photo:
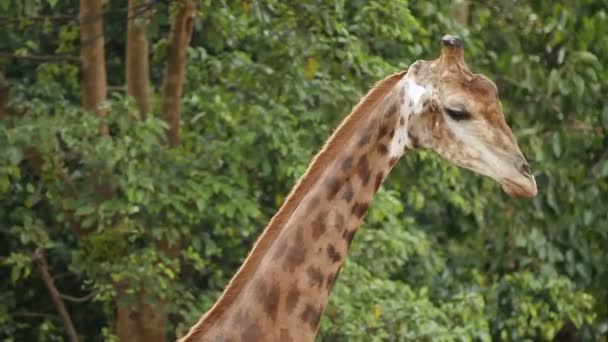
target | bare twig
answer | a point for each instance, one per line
(7, 20)
(36, 315)
(146, 6)
(80, 299)
(120, 88)
(43, 267)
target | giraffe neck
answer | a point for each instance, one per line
(281, 291)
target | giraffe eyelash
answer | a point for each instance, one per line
(457, 114)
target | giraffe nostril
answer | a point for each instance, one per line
(524, 168)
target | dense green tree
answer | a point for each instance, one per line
(443, 254)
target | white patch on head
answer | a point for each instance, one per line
(416, 93)
(413, 103)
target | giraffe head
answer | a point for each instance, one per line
(458, 114)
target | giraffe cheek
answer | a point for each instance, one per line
(437, 127)
(443, 137)
(432, 106)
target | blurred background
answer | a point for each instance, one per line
(144, 146)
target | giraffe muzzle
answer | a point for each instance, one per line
(523, 167)
(522, 183)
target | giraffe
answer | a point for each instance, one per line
(281, 290)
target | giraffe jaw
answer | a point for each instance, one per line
(526, 189)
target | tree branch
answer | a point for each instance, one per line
(80, 299)
(145, 6)
(36, 315)
(43, 267)
(41, 58)
(7, 20)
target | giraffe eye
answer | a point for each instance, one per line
(458, 114)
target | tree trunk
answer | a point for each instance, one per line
(147, 321)
(181, 32)
(94, 81)
(143, 321)
(137, 70)
(568, 333)
(92, 57)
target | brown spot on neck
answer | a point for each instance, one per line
(347, 164)
(363, 169)
(285, 336)
(392, 161)
(348, 192)
(296, 253)
(339, 222)
(349, 235)
(331, 279)
(364, 139)
(382, 149)
(392, 110)
(382, 131)
(269, 296)
(239, 318)
(333, 186)
(315, 276)
(319, 225)
(413, 138)
(313, 203)
(359, 209)
(333, 254)
(378, 182)
(311, 315)
(329, 282)
(293, 295)
(252, 332)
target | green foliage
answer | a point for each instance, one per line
(443, 255)
(518, 300)
(380, 309)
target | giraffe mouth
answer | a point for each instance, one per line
(516, 189)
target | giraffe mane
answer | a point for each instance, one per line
(324, 157)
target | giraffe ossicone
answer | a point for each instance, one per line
(281, 289)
